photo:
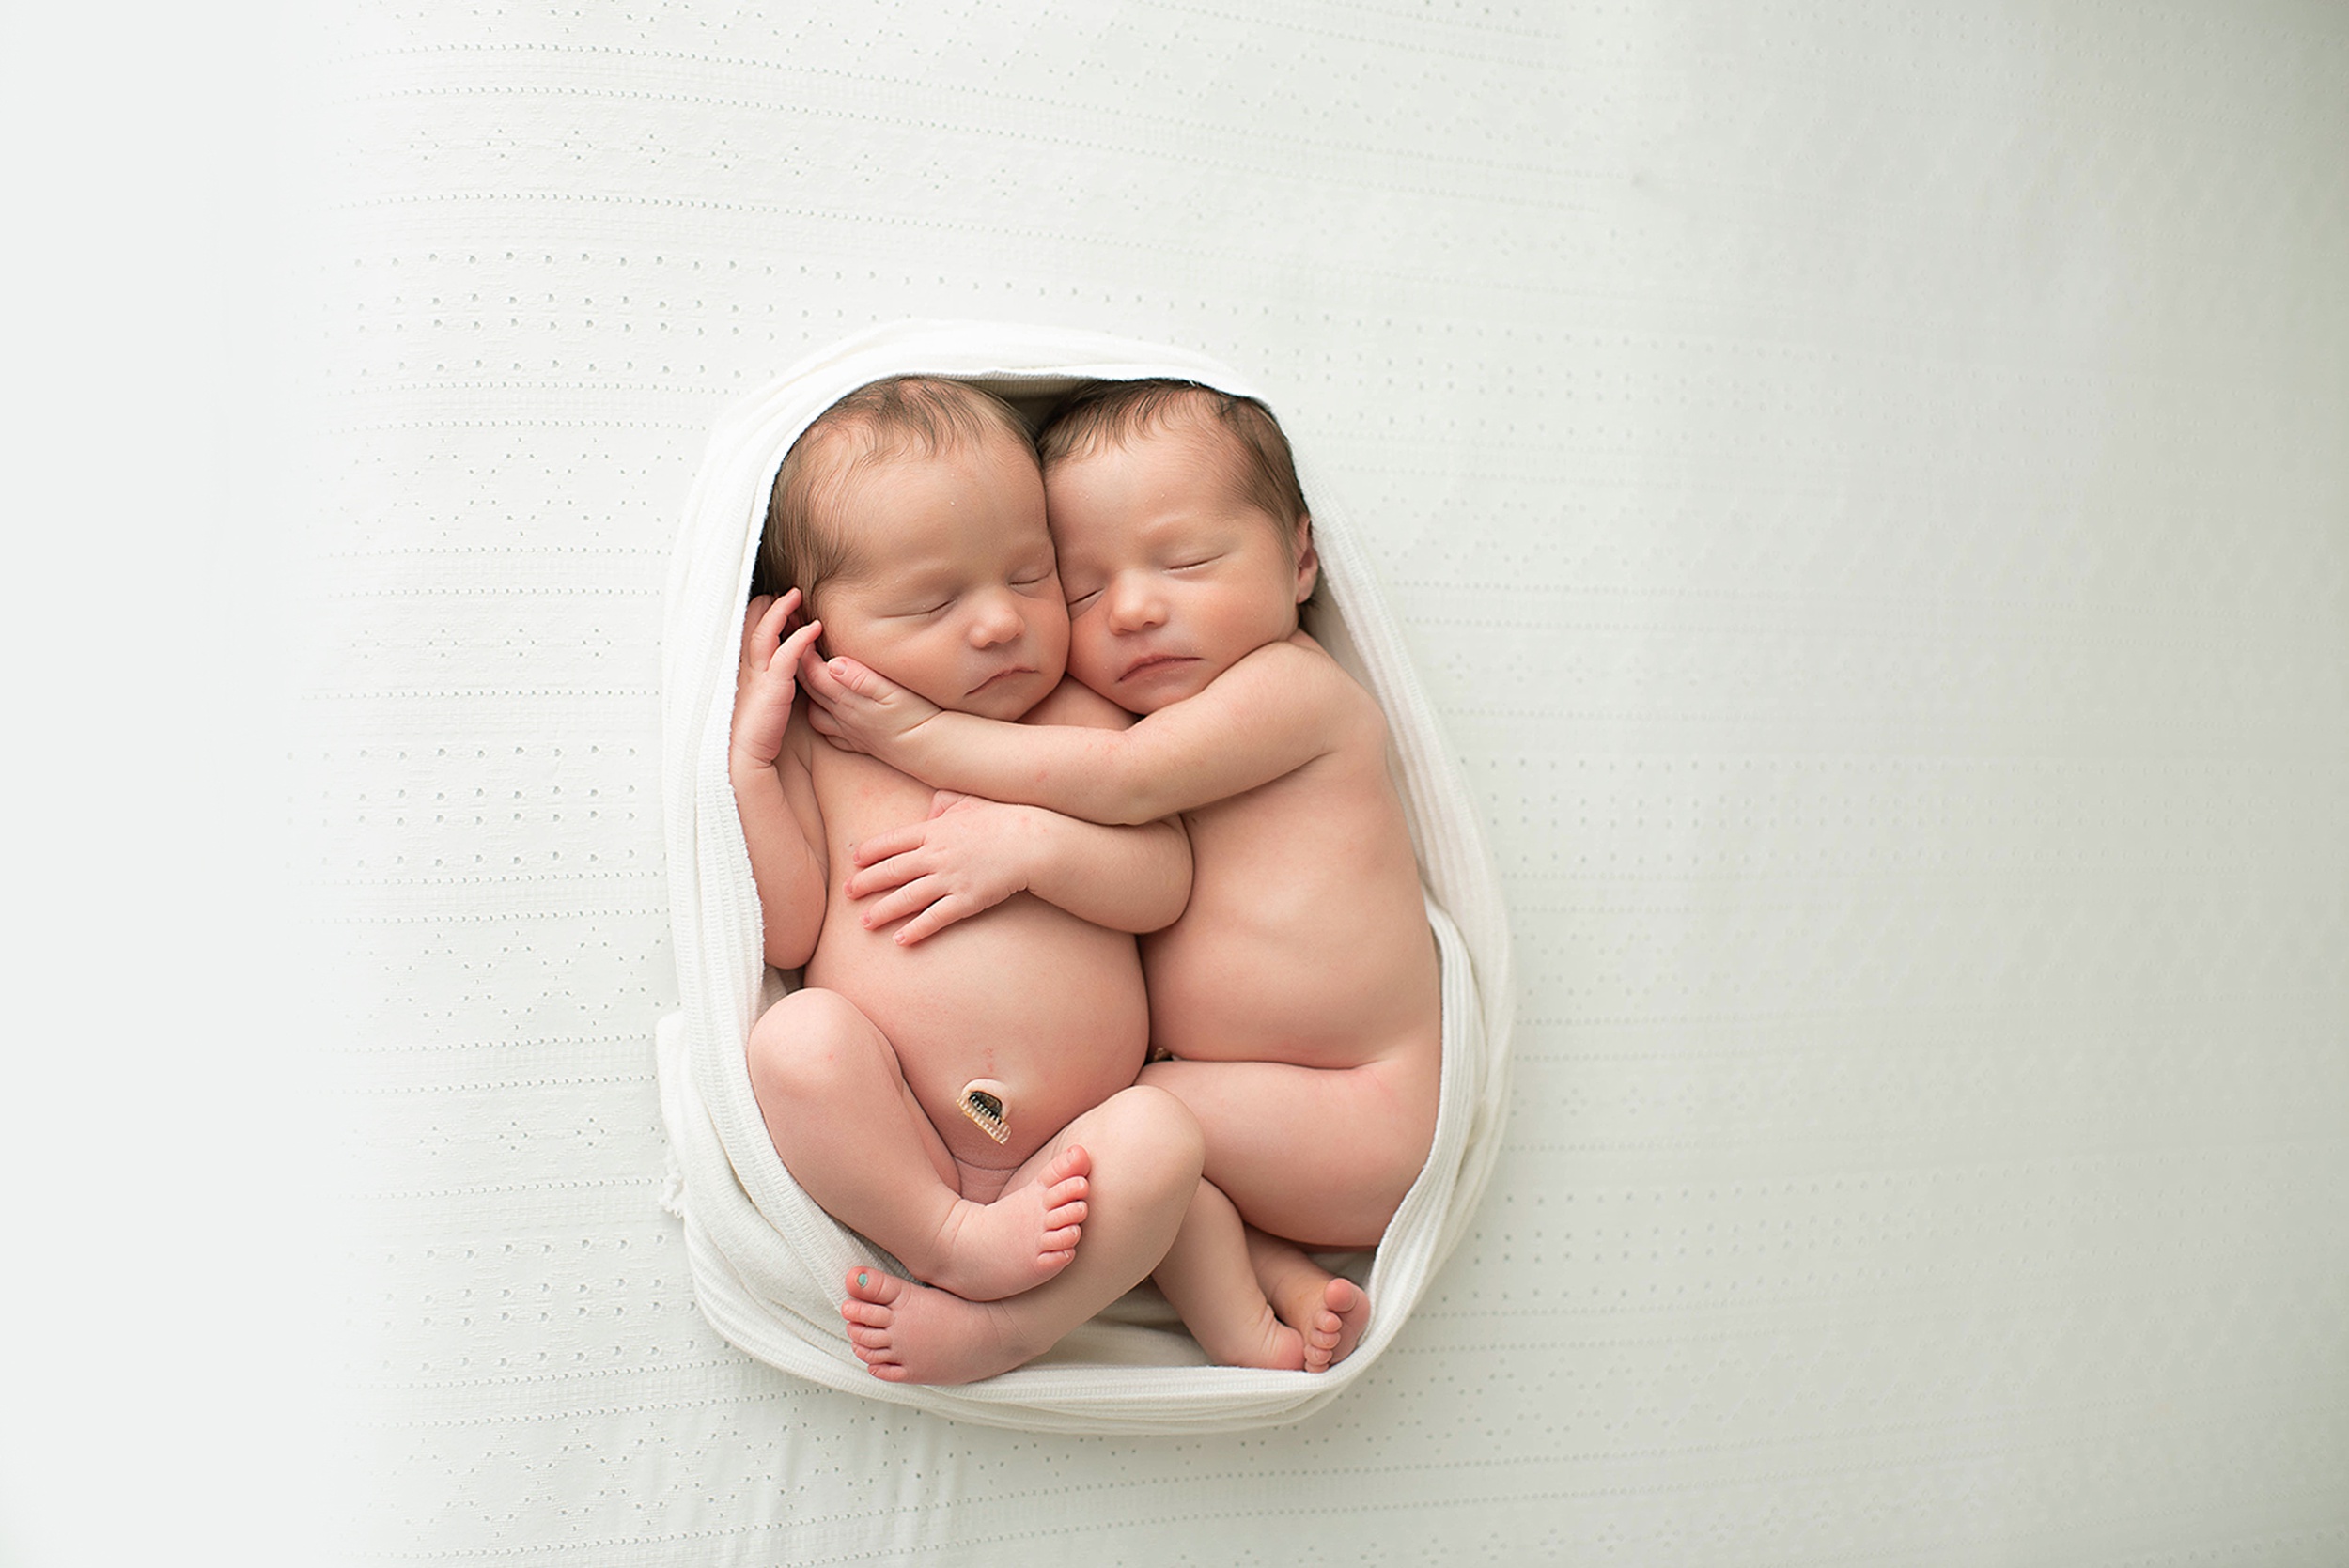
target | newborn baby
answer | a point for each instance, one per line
(1295, 1002)
(969, 1101)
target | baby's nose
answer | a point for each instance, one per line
(998, 620)
(1134, 605)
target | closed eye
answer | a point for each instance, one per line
(1080, 601)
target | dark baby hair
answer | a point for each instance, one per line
(1108, 413)
(804, 543)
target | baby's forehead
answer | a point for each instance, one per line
(1217, 458)
(1187, 419)
(850, 456)
(868, 444)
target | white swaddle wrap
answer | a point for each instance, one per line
(768, 1263)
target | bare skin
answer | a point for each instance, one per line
(1254, 1300)
(909, 1333)
(1035, 991)
(1297, 992)
(856, 1138)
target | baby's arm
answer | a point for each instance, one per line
(1266, 716)
(781, 825)
(974, 853)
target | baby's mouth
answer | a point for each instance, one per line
(999, 677)
(1149, 663)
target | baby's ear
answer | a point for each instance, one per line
(1307, 564)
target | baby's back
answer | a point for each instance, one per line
(1046, 1004)
(1306, 937)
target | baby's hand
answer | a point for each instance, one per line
(856, 709)
(765, 679)
(969, 856)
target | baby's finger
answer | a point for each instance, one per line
(853, 678)
(945, 800)
(895, 872)
(817, 678)
(897, 841)
(936, 919)
(753, 617)
(768, 630)
(913, 898)
(788, 657)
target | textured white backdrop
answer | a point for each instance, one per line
(1868, 496)
(164, 1319)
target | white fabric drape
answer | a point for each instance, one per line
(768, 1265)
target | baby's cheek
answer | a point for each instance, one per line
(1089, 661)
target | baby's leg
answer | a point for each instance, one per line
(854, 1136)
(1321, 1156)
(1254, 1300)
(1144, 1173)
(1211, 1280)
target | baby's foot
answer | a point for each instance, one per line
(1262, 1341)
(909, 1333)
(1333, 1327)
(990, 1250)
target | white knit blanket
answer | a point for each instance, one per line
(768, 1265)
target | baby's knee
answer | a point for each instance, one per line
(1155, 1132)
(799, 1047)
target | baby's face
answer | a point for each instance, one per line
(1172, 576)
(951, 592)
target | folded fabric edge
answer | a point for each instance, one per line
(978, 352)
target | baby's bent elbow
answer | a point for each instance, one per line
(1128, 797)
(789, 945)
(1177, 897)
(1163, 914)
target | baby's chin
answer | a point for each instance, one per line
(1008, 698)
(1151, 694)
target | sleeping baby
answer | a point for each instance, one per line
(967, 1101)
(1294, 1006)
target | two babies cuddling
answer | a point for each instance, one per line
(1064, 700)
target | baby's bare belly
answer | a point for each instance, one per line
(1243, 978)
(1306, 937)
(1024, 994)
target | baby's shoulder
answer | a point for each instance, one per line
(1306, 668)
(1294, 688)
(1295, 665)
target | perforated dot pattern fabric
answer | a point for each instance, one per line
(1864, 491)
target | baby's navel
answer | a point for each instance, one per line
(983, 1103)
